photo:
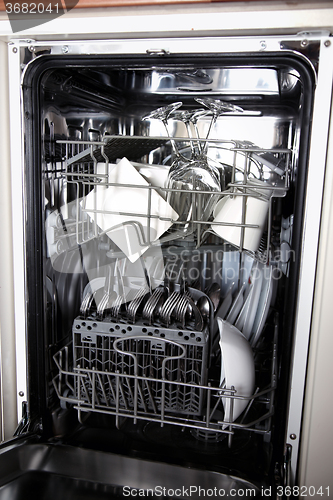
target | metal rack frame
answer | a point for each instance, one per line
(70, 380)
(123, 389)
(79, 167)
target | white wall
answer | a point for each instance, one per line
(215, 18)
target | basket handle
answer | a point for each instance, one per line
(144, 337)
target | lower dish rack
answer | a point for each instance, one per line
(156, 375)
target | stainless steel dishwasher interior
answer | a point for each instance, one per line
(127, 368)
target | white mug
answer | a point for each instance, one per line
(229, 210)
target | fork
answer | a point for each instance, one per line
(135, 303)
(168, 307)
(108, 293)
(86, 303)
(148, 310)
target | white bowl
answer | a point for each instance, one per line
(237, 369)
(156, 175)
(121, 212)
(228, 212)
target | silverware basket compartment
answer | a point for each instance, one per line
(145, 357)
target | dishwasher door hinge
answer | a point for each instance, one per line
(283, 476)
(287, 466)
(26, 424)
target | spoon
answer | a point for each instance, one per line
(204, 307)
(214, 293)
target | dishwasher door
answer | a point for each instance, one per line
(57, 471)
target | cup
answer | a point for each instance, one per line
(229, 211)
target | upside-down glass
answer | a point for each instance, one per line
(197, 175)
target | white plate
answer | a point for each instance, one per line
(121, 212)
(235, 267)
(236, 306)
(226, 303)
(256, 279)
(222, 312)
(237, 369)
(243, 313)
(94, 285)
(263, 306)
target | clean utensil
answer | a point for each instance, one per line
(168, 306)
(134, 304)
(217, 109)
(196, 315)
(120, 297)
(108, 293)
(180, 309)
(163, 115)
(204, 307)
(87, 303)
(214, 293)
(150, 305)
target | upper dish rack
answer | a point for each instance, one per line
(85, 166)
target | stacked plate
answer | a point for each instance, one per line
(247, 309)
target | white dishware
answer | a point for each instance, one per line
(264, 304)
(244, 310)
(256, 279)
(237, 370)
(122, 211)
(226, 304)
(261, 188)
(156, 175)
(94, 285)
(236, 269)
(222, 312)
(236, 306)
(229, 210)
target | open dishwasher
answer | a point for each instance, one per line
(165, 196)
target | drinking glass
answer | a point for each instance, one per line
(163, 114)
(217, 109)
(192, 182)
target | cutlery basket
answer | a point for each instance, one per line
(139, 368)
